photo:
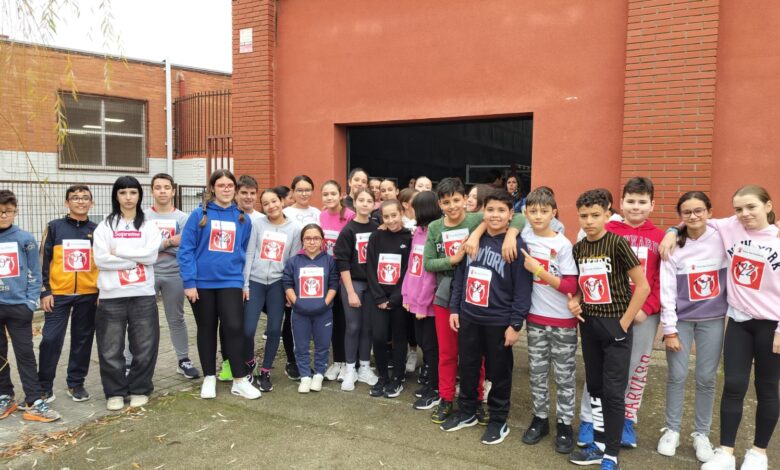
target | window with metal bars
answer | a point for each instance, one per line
(103, 133)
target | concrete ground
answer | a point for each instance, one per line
(285, 429)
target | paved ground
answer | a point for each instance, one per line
(320, 430)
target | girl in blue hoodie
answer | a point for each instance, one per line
(310, 283)
(211, 259)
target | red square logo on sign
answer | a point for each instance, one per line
(311, 281)
(416, 261)
(134, 275)
(703, 285)
(361, 245)
(747, 272)
(222, 236)
(595, 289)
(9, 260)
(546, 265)
(478, 286)
(272, 246)
(388, 269)
(76, 256)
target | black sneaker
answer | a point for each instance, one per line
(442, 412)
(291, 371)
(589, 455)
(458, 420)
(564, 440)
(537, 430)
(393, 388)
(424, 375)
(483, 416)
(495, 433)
(378, 390)
(427, 401)
(78, 393)
(422, 391)
(264, 381)
(187, 369)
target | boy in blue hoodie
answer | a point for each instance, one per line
(20, 288)
(490, 301)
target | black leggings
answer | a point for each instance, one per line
(225, 306)
(287, 337)
(425, 331)
(383, 323)
(748, 343)
(339, 325)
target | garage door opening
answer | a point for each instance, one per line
(477, 151)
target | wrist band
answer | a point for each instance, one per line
(539, 270)
(670, 336)
(673, 229)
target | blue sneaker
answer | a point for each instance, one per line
(585, 436)
(609, 464)
(629, 437)
(590, 455)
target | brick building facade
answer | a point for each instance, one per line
(679, 90)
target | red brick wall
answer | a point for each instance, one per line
(30, 83)
(254, 147)
(668, 114)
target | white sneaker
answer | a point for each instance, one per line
(305, 385)
(702, 446)
(411, 361)
(721, 460)
(367, 376)
(243, 388)
(754, 460)
(115, 403)
(316, 383)
(209, 388)
(350, 377)
(333, 371)
(343, 372)
(486, 386)
(137, 401)
(669, 442)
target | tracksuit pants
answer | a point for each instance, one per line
(305, 328)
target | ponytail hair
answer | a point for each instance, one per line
(762, 195)
(342, 208)
(682, 235)
(208, 194)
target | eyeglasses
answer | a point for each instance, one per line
(698, 212)
(303, 191)
(225, 186)
(8, 213)
(312, 239)
(80, 199)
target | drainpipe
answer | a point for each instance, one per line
(168, 118)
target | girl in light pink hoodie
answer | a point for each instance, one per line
(418, 290)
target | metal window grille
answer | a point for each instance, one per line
(103, 133)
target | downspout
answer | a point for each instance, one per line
(168, 118)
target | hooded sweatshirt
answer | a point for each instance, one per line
(489, 291)
(350, 250)
(68, 266)
(332, 224)
(753, 282)
(129, 271)
(170, 225)
(212, 257)
(311, 279)
(693, 282)
(270, 246)
(644, 240)
(20, 268)
(386, 259)
(419, 286)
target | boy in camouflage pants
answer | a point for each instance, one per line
(552, 329)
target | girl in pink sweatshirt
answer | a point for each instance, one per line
(418, 290)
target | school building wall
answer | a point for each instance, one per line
(679, 90)
(34, 75)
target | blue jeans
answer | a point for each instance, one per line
(272, 296)
(80, 309)
(304, 328)
(136, 317)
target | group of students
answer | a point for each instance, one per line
(456, 274)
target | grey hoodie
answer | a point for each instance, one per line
(270, 246)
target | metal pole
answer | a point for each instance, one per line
(168, 118)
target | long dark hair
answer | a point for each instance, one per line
(126, 182)
(208, 194)
(426, 208)
(682, 235)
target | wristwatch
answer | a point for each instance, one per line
(517, 326)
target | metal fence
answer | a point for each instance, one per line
(40, 202)
(199, 118)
